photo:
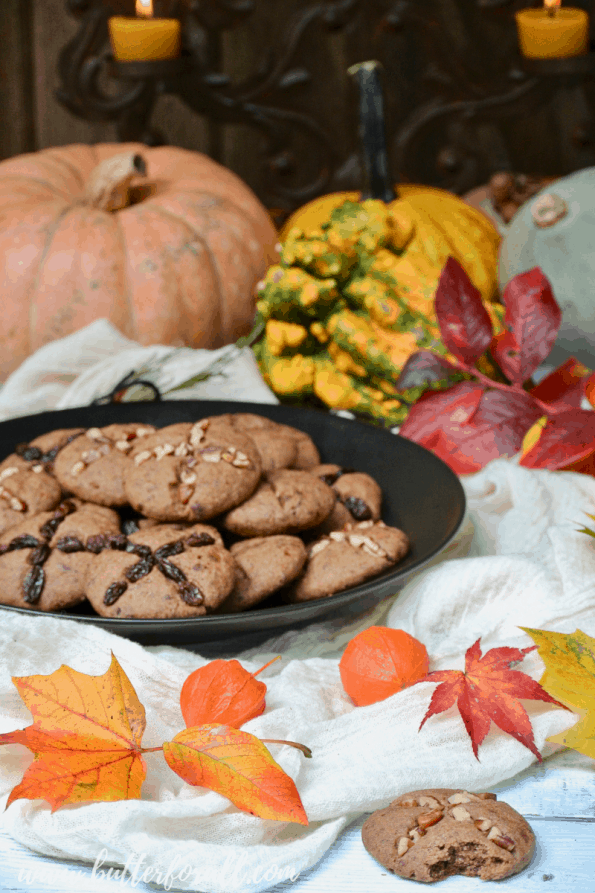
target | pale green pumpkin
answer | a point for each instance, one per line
(565, 251)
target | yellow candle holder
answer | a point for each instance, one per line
(144, 39)
(561, 35)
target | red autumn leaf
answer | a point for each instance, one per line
(468, 426)
(565, 387)
(424, 368)
(590, 389)
(237, 765)
(532, 318)
(222, 691)
(379, 662)
(488, 692)
(566, 438)
(464, 322)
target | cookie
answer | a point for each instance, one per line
(286, 501)
(44, 559)
(359, 493)
(191, 472)
(431, 835)
(347, 557)
(337, 520)
(307, 451)
(24, 493)
(276, 444)
(160, 572)
(264, 565)
(40, 453)
(94, 466)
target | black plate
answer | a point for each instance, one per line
(422, 496)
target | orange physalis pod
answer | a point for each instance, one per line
(379, 662)
(223, 691)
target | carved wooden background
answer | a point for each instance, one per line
(274, 103)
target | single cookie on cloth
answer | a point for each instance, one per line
(44, 559)
(189, 472)
(24, 493)
(160, 572)
(347, 557)
(265, 564)
(286, 501)
(433, 834)
(94, 466)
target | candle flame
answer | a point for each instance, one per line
(552, 5)
(144, 8)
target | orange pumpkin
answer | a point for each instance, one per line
(170, 258)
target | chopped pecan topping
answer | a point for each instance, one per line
(403, 845)
(187, 476)
(427, 819)
(504, 842)
(460, 814)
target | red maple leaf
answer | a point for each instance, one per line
(487, 692)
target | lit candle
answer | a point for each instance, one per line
(144, 38)
(553, 32)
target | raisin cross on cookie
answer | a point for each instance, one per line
(189, 593)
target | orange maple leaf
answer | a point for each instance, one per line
(86, 737)
(237, 765)
(487, 692)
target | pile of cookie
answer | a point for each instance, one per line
(116, 515)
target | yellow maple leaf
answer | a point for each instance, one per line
(569, 676)
(86, 737)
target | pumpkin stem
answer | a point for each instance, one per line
(371, 131)
(108, 187)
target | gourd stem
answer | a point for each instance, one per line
(378, 183)
(108, 186)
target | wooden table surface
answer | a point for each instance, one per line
(557, 798)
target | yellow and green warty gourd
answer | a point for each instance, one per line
(353, 295)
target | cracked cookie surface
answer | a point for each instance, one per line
(436, 833)
(286, 501)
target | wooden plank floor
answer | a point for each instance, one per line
(557, 798)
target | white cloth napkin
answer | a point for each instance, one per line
(77, 369)
(526, 564)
